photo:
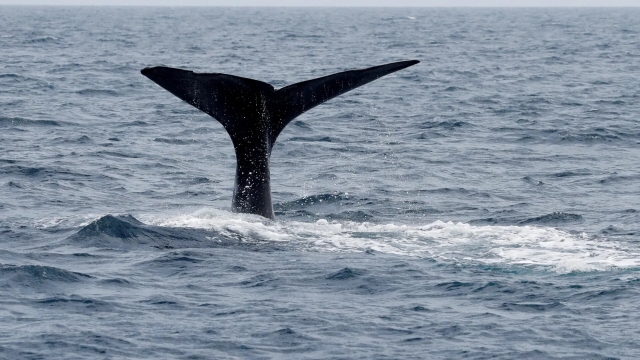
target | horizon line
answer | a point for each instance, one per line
(339, 6)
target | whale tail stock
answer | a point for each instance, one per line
(254, 114)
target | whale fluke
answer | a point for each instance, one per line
(254, 114)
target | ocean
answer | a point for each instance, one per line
(484, 203)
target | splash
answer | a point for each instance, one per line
(456, 243)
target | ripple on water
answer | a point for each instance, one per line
(524, 120)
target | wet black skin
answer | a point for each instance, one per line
(254, 114)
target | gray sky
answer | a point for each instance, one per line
(515, 3)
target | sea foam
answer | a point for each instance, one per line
(447, 241)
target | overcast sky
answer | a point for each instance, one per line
(545, 3)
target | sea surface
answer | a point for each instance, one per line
(484, 203)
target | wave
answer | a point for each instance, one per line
(532, 307)
(456, 243)
(329, 205)
(301, 124)
(46, 172)
(447, 125)
(119, 231)
(116, 154)
(14, 185)
(127, 232)
(462, 191)
(35, 275)
(311, 200)
(571, 173)
(358, 215)
(10, 76)
(84, 139)
(122, 227)
(76, 303)
(96, 92)
(22, 170)
(346, 274)
(590, 137)
(553, 219)
(315, 139)
(43, 39)
(614, 179)
(455, 88)
(556, 136)
(175, 141)
(18, 121)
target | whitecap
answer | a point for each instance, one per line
(446, 241)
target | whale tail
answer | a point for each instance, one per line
(254, 114)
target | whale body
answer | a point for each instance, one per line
(254, 114)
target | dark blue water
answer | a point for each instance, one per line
(482, 204)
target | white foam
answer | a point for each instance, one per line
(458, 243)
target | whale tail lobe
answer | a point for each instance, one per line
(242, 105)
(254, 114)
